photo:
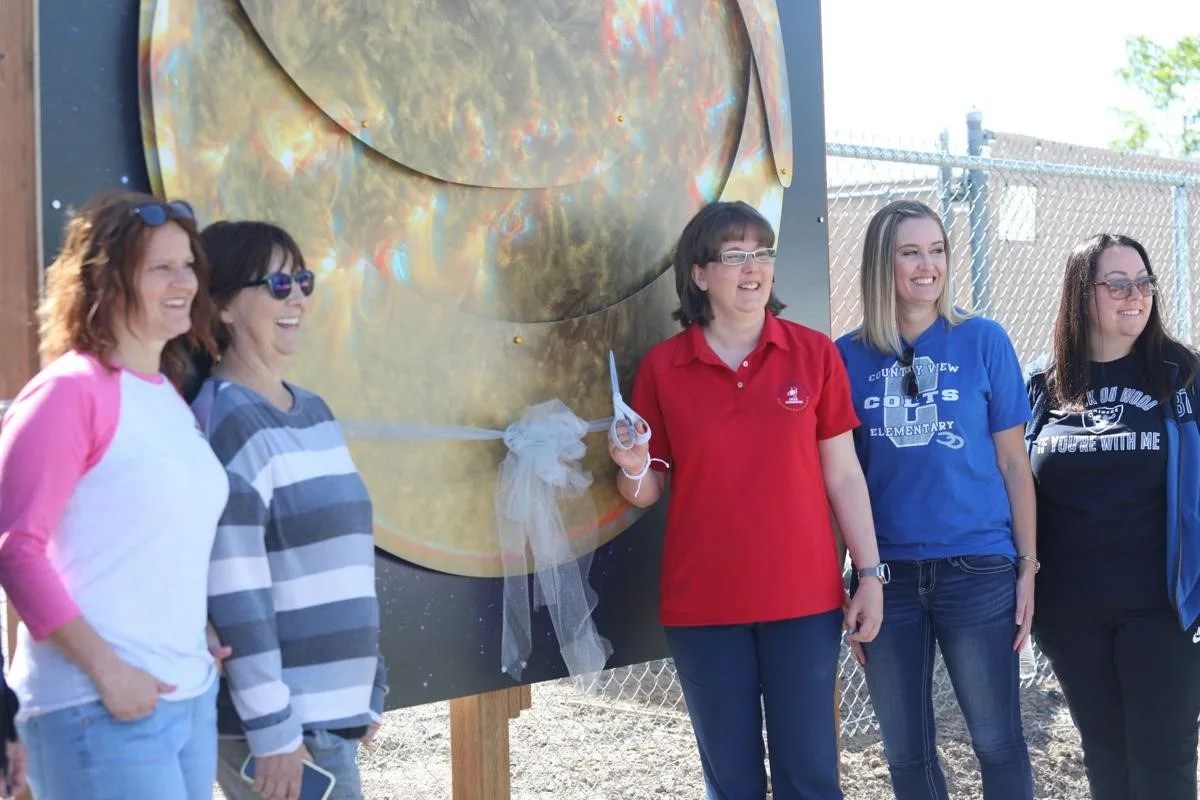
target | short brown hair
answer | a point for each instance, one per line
(240, 253)
(95, 275)
(700, 243)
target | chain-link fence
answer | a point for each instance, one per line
(1013, 220)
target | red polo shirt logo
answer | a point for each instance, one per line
(794, 396)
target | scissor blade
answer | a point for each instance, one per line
(612, 374)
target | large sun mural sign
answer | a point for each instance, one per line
(489, 191)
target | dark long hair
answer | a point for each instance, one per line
(1067, 379)
(700, 243)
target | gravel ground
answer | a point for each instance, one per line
(592, 745)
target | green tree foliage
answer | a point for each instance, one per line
(1169, 78)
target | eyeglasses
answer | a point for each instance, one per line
(1122, 288)
(155, 214)
(279, 284)
(735, 258)
(910, 380)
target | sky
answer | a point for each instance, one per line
(898, 73)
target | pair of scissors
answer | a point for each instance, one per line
(623, 413)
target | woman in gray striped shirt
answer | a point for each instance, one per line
(292, 580)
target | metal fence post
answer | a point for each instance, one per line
(1181, 284)
(945, 183)
(977, 196)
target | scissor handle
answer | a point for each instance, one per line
(623, 413)
(631, 421)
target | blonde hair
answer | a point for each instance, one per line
(880, 328)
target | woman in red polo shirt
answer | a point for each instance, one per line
(751, 416)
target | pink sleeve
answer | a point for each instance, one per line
(54, 432)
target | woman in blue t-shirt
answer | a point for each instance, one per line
(942, 402)
(1115, 449)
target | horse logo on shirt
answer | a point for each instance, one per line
(793, 397)
(1102, 418)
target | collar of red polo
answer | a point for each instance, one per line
(694, 347)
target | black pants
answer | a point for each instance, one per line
(1131, 677)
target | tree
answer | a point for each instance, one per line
(1169, 78)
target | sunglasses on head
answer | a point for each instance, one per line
(911, 390)
(155, 214)
(279, 284)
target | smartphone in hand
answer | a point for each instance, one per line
(316, 784)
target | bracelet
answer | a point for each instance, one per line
(1037, 565)
(641, 473)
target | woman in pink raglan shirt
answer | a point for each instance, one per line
(109, 499)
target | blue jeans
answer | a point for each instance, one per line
(732, 673)
(328, 750)
(83, 753)
(966, 604)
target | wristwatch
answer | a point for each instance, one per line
(880, 571)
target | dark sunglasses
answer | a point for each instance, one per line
(155, 214)
(279, 284)
(910, 379)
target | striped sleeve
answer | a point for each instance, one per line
(241, 603)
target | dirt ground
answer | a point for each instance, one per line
(590, 745)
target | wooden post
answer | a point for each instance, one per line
(19, 265)
(19, 232)
(479, 758)
(18, 212)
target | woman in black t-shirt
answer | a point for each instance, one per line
(1112, 443)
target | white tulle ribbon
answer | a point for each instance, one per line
(540, 476)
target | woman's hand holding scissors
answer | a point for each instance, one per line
(629, 435)
(624, 448)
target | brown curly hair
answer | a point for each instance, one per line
(94, 278)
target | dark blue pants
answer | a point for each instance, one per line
(731, 674)
(968, 606)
